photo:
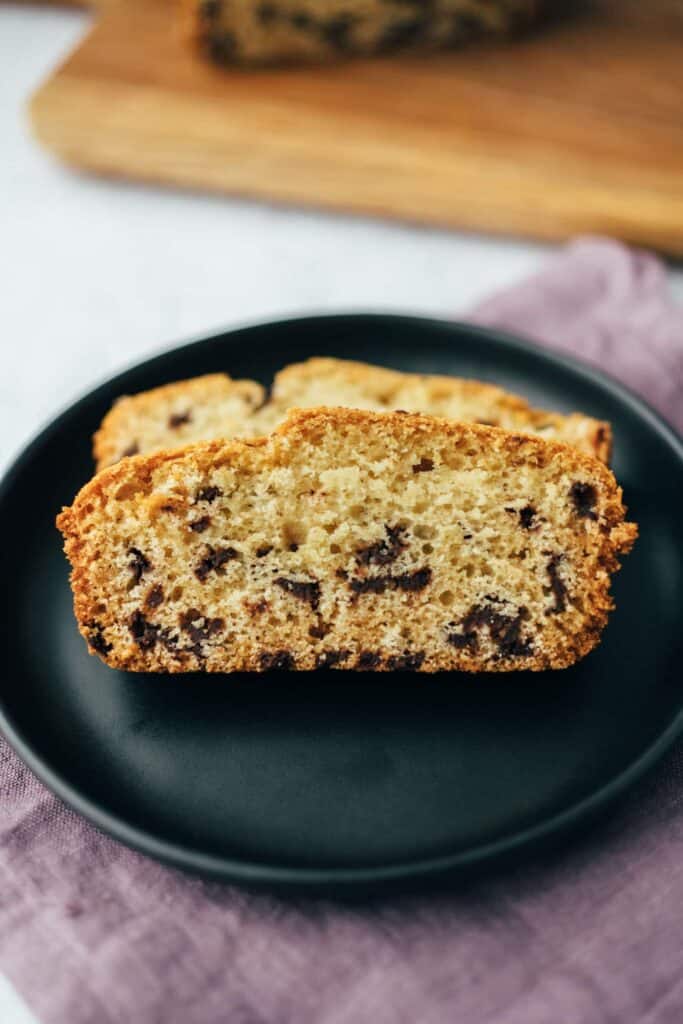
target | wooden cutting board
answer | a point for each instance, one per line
(576, 128)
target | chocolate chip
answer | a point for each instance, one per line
(189, 623)
(512, 646)
(424, 466)
(557, 584)
(504, 631)
(483, 615)
(263, 551)
(293, 547)
(177, 419)
(221, 47)
(214, 561)
(137, 623)
(304, 590)
(143, 632)
(199, 525)
(139, 564)
(368, 660)
(328, 659)
(462, 640)
(208, 494)
(584, 496)
(408, 581)
(382, 552)
(417, 580)
(341, 574)
(463, 25)
(372, 585)
(169, 640)
(96, 638)
(209, 10)
(400, 34)
(337, 31)
(132, 449)
(319, 631)
(407, 662)
(527, 516)
(266, 13)
(276, 661)
(154, 597)
(302, 20)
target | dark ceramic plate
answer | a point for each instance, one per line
(333, 780)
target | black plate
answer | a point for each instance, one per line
(335, 780)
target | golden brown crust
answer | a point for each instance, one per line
(320, 379)
(397, 562)
(221, 407)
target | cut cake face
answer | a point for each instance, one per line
(351, 540)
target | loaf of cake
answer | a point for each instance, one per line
(276, 31)
(216, 406)
(348, 539)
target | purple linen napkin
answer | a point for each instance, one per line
(611, 307)
(92, 933)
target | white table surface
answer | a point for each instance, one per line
(95, 275)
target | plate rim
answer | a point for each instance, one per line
(265, 874)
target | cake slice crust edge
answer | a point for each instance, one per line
(218, 406)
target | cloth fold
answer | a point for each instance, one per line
(609, 306)
(93, 933)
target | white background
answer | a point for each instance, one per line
(95, 275)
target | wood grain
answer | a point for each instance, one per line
(576, 128)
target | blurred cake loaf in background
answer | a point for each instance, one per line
(275, 31)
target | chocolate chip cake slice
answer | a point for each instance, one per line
(216, 406)
(177, 414)
(273, 31)
(321, 381)
(348, 539)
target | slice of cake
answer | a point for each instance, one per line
(351, 540)
(275, 31)
(216, 406)
(361, 386)
(177, 414)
